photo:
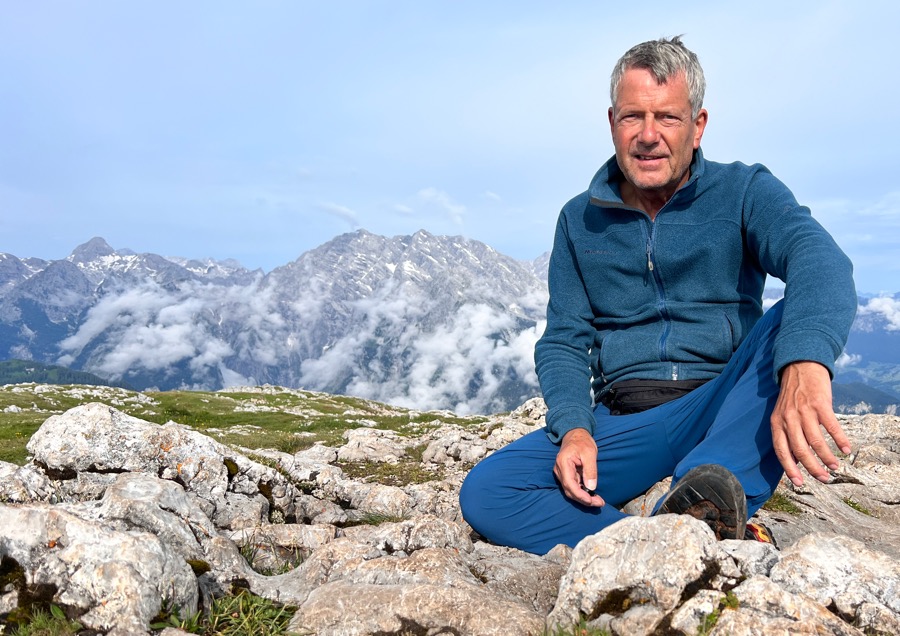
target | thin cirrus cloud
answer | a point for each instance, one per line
(341, 212)
(442, 201)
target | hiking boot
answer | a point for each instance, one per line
(710, 493)
(758, 532)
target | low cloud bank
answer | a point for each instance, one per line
(402, 348)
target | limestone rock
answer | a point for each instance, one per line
(279, 547)
(455, 445)
(862, 499)
(432, 566)
(364, 444)
(752, 557)
(517, 575)
(96, 438)
(346, 609)
(137, 501)
(690, 617)
(415, 534)
(764, 608)
(636, 571)
(841, 572)
(24, 484)
(111, 578)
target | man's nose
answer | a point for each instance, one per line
(649, 133)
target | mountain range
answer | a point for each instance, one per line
(421, 321)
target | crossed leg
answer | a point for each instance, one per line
(512, 497)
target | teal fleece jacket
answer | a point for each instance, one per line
(673, 298)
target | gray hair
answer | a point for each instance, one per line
(664, 59)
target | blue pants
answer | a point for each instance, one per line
(512, 497)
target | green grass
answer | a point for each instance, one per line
(405, 472)
(779, 502)
(52, 623)
(238, 614)
(579, 629)
(729, 602)
(284, 419)
(858, 507)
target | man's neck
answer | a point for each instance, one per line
(650, 201)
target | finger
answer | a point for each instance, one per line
(820, 447)
(783, 453)
(589, 475)
(800, 437)
(834, 429)
(597, 500)
(566, 472)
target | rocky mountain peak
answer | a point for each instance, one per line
(422, 320)
(88, 252)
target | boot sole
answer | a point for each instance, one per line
(712, 494)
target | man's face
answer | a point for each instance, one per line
(653, 132)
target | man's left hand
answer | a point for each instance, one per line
(804, 407)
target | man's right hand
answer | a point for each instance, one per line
(576, 465)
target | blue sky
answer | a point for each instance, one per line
(258, 131)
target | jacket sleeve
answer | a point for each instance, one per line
(820, 297)
(562, 355)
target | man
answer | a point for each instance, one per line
(656, 281)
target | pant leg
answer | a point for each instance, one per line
(512, 497)
(735, 409)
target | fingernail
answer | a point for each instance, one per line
(846, 449)
(590, 484)
(797, 481)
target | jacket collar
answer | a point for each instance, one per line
(604, 189)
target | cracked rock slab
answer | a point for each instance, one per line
(638, 570)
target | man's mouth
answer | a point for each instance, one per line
(648, 157)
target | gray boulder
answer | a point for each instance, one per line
(111, 579)
(234, 491)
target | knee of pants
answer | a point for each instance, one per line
(487, 501)
(471, 497)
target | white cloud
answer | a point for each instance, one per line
(476, 345)
(442, 200)
(846, 360)
(153, 328)
(493, 196)
(341, 212)
(404, 209)
(886, 307)
(233, 378)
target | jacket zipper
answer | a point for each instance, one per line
(660, 296)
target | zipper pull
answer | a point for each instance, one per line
(649, 259)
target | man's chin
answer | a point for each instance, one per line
(649, 184)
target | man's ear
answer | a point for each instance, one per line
(700, 126)
(610, 118)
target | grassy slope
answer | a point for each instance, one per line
(284, 419)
